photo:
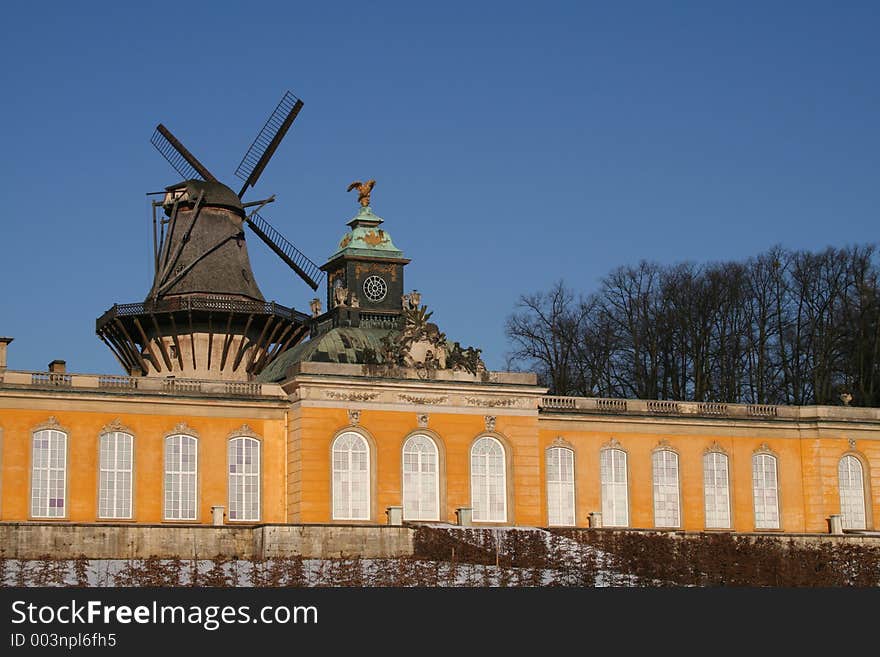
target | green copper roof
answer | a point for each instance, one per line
(338, 345)
(366, 238)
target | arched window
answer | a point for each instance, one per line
(244, 478)
(560, 486)
(114, 477)
(421, 491)
(765, 491)
(49, 474)
(181, 468)
(488, 481)
(716, 490)
(615, 502)
(852, 492)
(351, 477)
(665, 473)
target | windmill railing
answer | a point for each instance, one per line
(204, 303)
(140, 384)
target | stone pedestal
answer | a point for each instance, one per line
(835, 524)
(4, 343)
(395, 515)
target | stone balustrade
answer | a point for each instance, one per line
(599, 405)
(138, 384)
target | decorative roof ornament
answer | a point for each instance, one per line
(363, 189)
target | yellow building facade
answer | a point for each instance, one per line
(334, 443)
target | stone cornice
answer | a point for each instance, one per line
(405, 394)
(802, 428)
(99, 399)
(734, 428)
(120, 405)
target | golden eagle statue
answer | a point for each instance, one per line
(364, 189)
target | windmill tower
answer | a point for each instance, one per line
(204, 316)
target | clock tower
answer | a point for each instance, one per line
(365, 276)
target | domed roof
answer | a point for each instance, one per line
(366, 238)
(352, 345)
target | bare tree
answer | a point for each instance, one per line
(789, 327)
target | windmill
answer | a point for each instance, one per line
(205, 316)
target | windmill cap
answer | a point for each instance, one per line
(214, 193)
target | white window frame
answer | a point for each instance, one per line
(766, 492)
(484, 482)
(853, 513)
(247, 484)
(46, 473)
(343, 479)
(414, 482)
(717, 490)
(667, 498)
(114, 478)
(560, 490)
(615, 512)
(175, 476)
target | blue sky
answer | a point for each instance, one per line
(513, 144)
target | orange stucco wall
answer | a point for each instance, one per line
(84, 428)
(316, 428)
(806, 471)
(296, 463)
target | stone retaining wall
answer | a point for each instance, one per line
(118, 541)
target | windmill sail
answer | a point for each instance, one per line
(184, 162)
(263, 147)
(295, 259)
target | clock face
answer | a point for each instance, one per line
(375, 288)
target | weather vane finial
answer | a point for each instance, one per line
(364, 189)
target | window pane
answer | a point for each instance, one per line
(852, 493)
(180, 477)
(765, 491)
(560, 486)
(488, 481)
(351, 478)
(114, 485)
(244, 479)
(615, 502)
(420, 479)
(716, 491)
(48, 474)
(666, 502)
